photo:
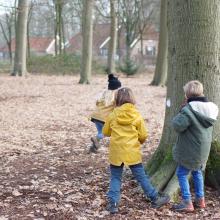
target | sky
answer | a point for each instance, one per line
(4, 4)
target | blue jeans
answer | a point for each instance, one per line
(198, 181)
(139, 174)
(99, 126)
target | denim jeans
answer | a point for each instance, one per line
(99, 126)
(139, 174)
(182, 174)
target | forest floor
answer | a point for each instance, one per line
(45, 169)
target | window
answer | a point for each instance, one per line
(150, 50)
(104, 52)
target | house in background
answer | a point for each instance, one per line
(100, 34)
(101, 39)
(39, 46)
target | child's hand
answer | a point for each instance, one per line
(184, 103)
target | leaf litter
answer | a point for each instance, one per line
(46, 170)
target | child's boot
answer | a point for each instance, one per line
(95, 142)
(160, 200)
(200, 203)
(92, 148)
(112, 207)
(184, 206)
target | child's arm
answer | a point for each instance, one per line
(106, 130)
(180, 122)
(100, 98)
(142, 131)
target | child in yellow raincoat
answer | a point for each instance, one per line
(126, 129)
(104, 106)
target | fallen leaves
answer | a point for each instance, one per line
(46, 171)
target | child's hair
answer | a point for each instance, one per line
(193, 88)
(124, 95)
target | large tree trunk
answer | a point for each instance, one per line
(87, 28)
(193, 53)
(160, 75)
(21, 39)
(113, 40)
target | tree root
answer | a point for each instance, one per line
(163, 175)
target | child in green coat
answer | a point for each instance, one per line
(194, 125)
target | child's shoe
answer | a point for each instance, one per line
(160, 200)
(112, 207)
(92, 148)
(95, 142)
(184, 206)
(200, 203)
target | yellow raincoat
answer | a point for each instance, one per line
(127, 130)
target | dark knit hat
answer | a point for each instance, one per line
(113, 82)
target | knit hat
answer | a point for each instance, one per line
(113, 82)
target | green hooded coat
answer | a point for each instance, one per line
(194, 125)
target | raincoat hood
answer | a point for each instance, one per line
(205, 112)
(126, 129)
(126, 114)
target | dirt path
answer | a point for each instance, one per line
(46, 172)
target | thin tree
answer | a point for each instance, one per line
(113, 38)
(21, 39)
(59, 27)
(87, 34)
(193, 53)
(7, 26)
(160, 75)
(146, 12)
(129, 11)
(30, 13)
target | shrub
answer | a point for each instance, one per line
(129, 67)
(60, 64)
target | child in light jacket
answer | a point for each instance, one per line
(104, 106)
(126, 129)
(194, 125)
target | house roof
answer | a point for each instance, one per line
(37, 44)
(101, 36)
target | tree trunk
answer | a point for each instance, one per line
(87, 28)
(142, 45)
(21, 39)
(28, 31)
(113, 40)
(193, 53)
(119, 43)
(60, 29)
(160, 75)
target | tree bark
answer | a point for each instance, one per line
(142, 45)
(193, 54)
(28, 31)
(87, 28)
(160, 75)
(21, 39)
(59, 28)
(113, 38)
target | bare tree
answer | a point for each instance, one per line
(87, 33)
(135, 18)
(113, 37)
(160, 75)
(21, 38)
(30, 13)
(7, 26)
(59, 27)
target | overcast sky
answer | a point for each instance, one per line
(6, 3)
